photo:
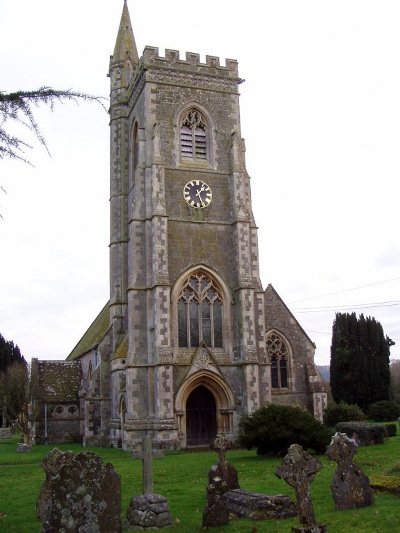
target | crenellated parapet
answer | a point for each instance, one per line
(172, 70)
(212, 66)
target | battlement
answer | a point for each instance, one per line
(192, 61)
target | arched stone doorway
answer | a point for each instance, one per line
(201, 417)
(202, 393)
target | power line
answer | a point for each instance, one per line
(345, 290)
(344, 307)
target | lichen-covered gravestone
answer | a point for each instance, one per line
(350, 486)
(299, 469)
(80, 494)
(222, 478)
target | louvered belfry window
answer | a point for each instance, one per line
(200, 312)
(278, 353)
(193, 136)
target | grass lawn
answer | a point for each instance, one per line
(182, 478)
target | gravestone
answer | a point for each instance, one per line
(5, 433)
(225, 497)
(23, 448)
(222, 478)
(147, 511)
(80, 493)
(350, 486)
(298, 469)
(223, 470)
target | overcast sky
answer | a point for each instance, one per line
(320, 113)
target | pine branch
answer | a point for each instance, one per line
(17, 107)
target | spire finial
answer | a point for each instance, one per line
(125, 44)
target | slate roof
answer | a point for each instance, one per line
(94, 335)
(59, 381)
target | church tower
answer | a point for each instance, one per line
(189, 340)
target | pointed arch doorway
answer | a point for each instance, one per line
(201, 417)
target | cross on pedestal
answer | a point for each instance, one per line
(147, 465)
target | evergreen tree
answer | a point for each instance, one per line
(359, 367)
(9, 354)
(17, 107)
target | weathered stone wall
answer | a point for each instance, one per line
(57, 403)
(63, 424)
(157, 239)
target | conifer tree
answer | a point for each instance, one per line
(359, 366)
(9, 354)
(17, 107)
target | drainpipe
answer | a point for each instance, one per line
(45, 424)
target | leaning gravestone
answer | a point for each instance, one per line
(350, 486)
(298, 469)
(80, 494)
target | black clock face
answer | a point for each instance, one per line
(197, 194)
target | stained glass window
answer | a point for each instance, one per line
(278, 353)
(200, 312)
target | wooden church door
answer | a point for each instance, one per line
(201, 418)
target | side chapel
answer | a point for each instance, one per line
(189, 340)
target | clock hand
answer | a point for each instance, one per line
(199, 195)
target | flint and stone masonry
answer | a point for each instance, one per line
(189, 340)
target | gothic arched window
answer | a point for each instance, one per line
(193, 135)
(199, 312)
(278, 353)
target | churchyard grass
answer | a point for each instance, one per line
(182, 478)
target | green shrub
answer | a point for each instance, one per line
(342, 412)
(274, 427)
(391, 429)
(364, 433)
(384, 411)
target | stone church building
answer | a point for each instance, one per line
(189, 340)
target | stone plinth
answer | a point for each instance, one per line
(147, 512)
(259, 506)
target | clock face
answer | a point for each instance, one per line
(197, 194)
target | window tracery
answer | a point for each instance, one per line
(200, 308)
(194, 135)
(278, 352)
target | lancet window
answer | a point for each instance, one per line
(194, 135)
(200, 309)
(278, 353)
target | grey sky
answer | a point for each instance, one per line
(320, 115)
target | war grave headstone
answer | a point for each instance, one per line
(350, 486)
(299, 469)
(80, 493)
